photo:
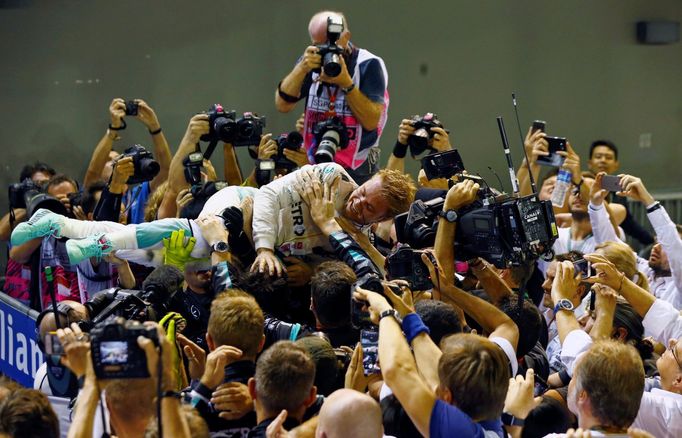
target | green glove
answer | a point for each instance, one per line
(176, 252)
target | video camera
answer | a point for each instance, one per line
(420, 139)
(30, 196)
(224, 126)
(330, 136)
(146, 168)
(504, 230)
(331, 52)
(115, 352)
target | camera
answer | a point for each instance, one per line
(420, 139)
(503, 230)
(30, 196)
(331, 52)
(330, 136)
(193, 164)
(132, 108)
(292, 141)
(115, 352)
(554, 145)
(225, 127)
(406, 264)
(146, 168)
(359, 318)
(442, 164)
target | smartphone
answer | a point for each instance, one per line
(369, 339)
(52, 344)
(582, 267)
(555, 144)
(611, 183)
(538, 125)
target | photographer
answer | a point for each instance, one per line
(39, 173)
(357, 93)
(101, 164)
(438, 141)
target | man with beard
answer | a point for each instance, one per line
(194, 303)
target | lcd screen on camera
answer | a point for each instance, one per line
(114, 352)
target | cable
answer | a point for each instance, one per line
(159, 370)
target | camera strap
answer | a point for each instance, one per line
(331, 112)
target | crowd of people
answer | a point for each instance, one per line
(173, 303)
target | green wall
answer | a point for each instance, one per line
(575, 64)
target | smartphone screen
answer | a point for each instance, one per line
(369, 339)
(359, 315)
(555, 144)
(583, 267)
(611, 183)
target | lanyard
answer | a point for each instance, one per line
(331, 112)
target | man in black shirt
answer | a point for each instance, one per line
(194, 303)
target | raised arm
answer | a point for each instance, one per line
(536, 146)
(231, 170)
(289, 90)
(198, 125)
(603, 227)
(162, 152)
(100, 155)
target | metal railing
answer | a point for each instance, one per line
(672, 202)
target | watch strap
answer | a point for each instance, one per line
(348, 89)
(391, 312)
(510, 420)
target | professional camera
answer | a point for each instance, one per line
(505, 231)
(193, 164)
(225, 127)
(132, 108)
(146, 168)
(420, 139)
(148, 304)
(115, 352)
(330, 135)
(221, 124)
(442, 164)
(30, 196)
(291, 141)
(331, 52)
(406, 264)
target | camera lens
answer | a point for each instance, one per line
(326, 151)
(332, 65)
(423, 236)
(294, 140)
(224, 128)
(149, 168)
(246, 128)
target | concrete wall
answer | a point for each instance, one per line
(574, 64)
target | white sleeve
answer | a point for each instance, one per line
(506, 346)
(602, 229)
(276, 195)
(667, 235)
(662, 322)
(575, 344)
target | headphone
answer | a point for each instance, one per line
(62, 309)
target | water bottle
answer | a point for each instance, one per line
(563, 184)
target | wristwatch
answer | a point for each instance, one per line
(510, 420)
(391, 312)
(348, 89)
(564, 304)
(448, 215)
(221, 247)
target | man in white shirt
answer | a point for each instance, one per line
(664, 267)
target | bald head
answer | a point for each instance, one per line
(317, 28)
(77, 312)
(350, 413)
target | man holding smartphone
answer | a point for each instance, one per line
(604, 158)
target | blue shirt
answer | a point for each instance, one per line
(135, 201)
(448, 421)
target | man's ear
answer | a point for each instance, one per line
(621, 333)
(344, 38)
(311, 397)
(444, 394)
(677, 383)
(209, 342)
(261, 344)
(252, 388)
